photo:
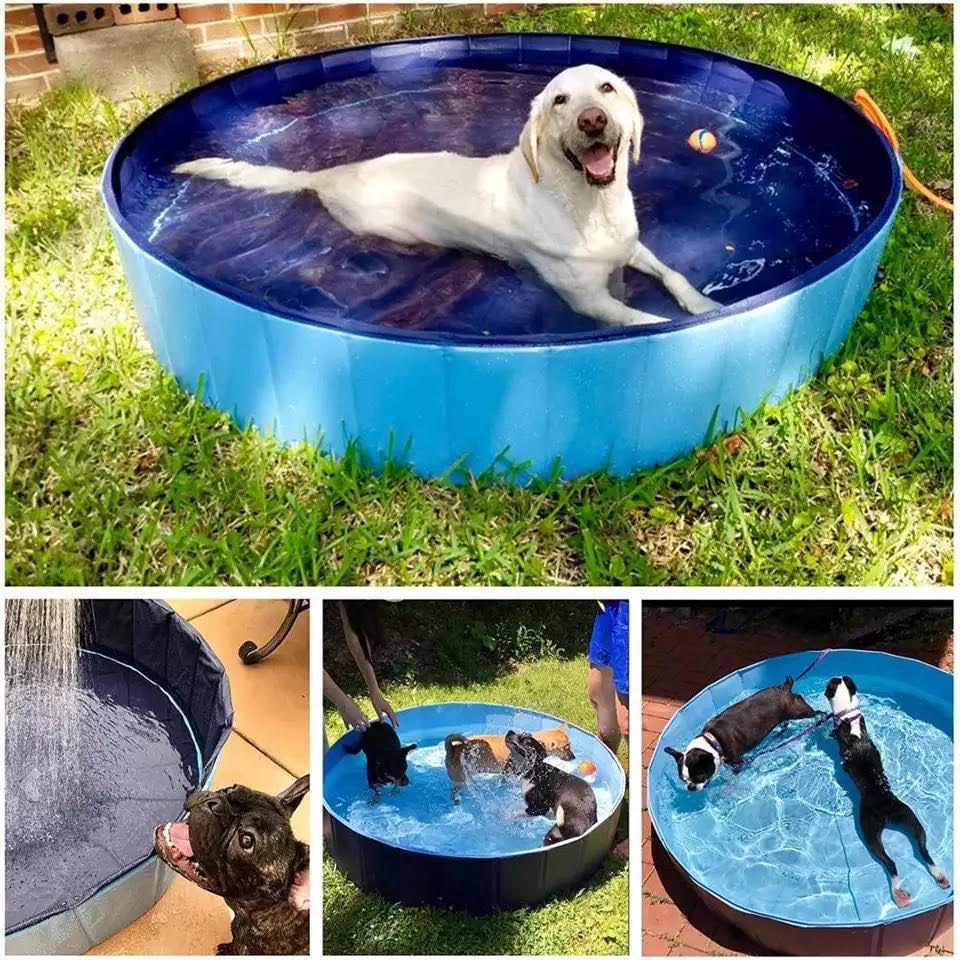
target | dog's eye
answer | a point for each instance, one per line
(246, 841)
(560, 98)
(606, 88)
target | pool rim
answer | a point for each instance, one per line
(739, 908)
(484, 856)
(109, 188)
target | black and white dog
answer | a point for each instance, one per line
(879, 806)
(549, 791)
(734, 731)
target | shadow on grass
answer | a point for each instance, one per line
(457, 642)
(363, 923)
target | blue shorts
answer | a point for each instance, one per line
(610, 642)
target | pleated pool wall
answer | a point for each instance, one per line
(627, 399)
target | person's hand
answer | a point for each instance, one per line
(381, 706)
(353, 716)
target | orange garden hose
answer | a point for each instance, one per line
(875, 115)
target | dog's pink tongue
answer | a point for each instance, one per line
(180, 837)
(598, 161)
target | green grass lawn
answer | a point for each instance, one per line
(588, 920)
(116, 476)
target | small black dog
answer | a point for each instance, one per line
(734, 731)
(549, 791)
(879, 805)
(386, 759)
(238, 845)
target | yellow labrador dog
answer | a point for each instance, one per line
(559, 201)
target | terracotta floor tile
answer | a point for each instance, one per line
(945, 941)
(271, 698)
(646, 852)
(699, 935)
(662, 919)
(654, 708)
(654, 885)
(188, 920)
(188, 609)
(655, 947)
(651, 724)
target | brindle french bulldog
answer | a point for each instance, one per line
(238, 844)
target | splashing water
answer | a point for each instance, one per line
(43, 702)
(489, 820)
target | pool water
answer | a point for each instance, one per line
(754, 213)
(137, 760)
(489, 821)
(781, 838)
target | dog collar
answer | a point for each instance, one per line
(712, 740)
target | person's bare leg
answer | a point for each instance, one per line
(621, 850)
(623, 716)
(603, 697)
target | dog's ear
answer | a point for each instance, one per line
(788, 683)
(831, 687)
(299, 894)
(530, 137)
(677, 755)
(636, 121)
(290, 798)
(409, 747)
(851, 686)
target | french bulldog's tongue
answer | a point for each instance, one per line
(180, 838)
(598, 161)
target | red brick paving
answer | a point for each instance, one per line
(675, 922)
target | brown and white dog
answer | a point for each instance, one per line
(489, 753)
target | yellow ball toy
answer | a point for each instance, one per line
(703, 141)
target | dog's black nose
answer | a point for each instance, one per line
(592, 121)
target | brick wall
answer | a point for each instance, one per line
(220, 32)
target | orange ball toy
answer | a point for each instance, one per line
(703, 141)
(586, 767)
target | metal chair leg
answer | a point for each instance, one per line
(250, 653)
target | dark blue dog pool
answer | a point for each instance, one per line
(152, 713)
(415, 846)
(776, 849)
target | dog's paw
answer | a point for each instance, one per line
(902, 897)
(942, 879)
(225, 949)
(697, 303)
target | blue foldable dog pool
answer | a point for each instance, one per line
(154, 711)
(439, 357)
(776, 849)
(414, 845)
